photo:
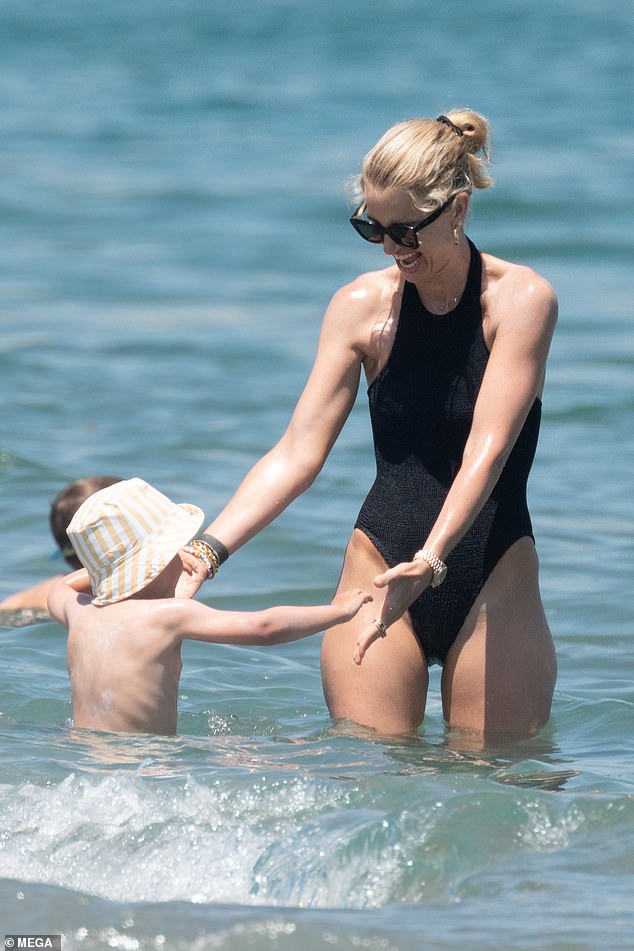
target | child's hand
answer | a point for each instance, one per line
(79, 581)
(192, 576)
(367, 636)
(349, 602)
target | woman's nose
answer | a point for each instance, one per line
(389, 245)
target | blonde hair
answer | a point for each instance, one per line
(430, 159)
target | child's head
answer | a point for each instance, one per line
(64, 506)
(126, 534)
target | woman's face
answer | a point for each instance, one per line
(390, 207)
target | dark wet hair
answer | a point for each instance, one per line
(64, 506)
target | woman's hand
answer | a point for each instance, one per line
(404, 583)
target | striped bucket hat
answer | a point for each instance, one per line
(125, 534)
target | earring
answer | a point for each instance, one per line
(456, 235)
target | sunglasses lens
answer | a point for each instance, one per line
(368, 230)
(404, 236)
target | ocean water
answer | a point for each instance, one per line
(173, 222)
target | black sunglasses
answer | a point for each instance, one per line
(405, 235)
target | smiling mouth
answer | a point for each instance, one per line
(407, 261)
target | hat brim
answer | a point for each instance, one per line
(139, 566)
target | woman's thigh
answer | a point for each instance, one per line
(500, 673)
(387, 692)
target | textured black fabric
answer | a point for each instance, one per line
(421, 409)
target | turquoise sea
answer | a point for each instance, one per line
(173, 223)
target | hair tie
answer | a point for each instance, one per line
(452, 125)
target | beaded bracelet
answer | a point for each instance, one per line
(208, 551)
(201, 557)
(205, 554)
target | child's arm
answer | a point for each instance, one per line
(277, 625)
(29, 599)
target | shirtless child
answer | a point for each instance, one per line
(126, 621)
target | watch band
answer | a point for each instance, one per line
(438, 567)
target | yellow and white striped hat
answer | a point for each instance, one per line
(126, 534)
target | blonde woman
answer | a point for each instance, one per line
(453, 345)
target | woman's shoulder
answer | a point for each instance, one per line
(510, 288)
(369, 290)
(510, 275)
(363, 312)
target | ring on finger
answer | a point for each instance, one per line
(381, 627)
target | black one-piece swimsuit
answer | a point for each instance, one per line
(421, 410)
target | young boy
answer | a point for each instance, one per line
(124, 641)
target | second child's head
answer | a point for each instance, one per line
(64, 506)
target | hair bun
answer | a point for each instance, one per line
(475, 129)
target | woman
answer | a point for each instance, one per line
(453, 344)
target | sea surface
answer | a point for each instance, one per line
(173, 223)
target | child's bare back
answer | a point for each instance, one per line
(124, 664)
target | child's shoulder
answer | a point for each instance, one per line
(172, 616)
